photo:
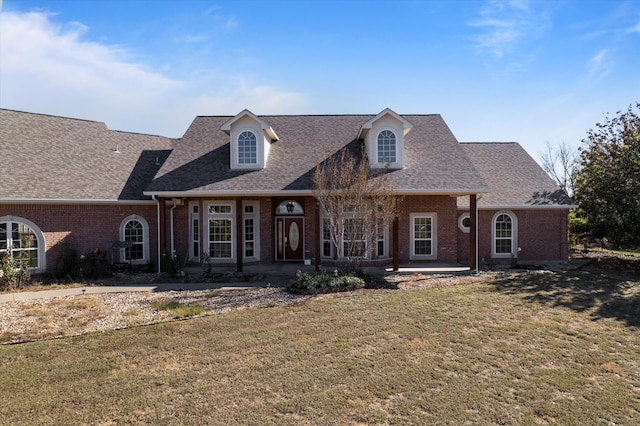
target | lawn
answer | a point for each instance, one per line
(535, 348)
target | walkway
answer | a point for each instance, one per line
(275, 275)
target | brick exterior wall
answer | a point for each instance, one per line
(446, 221)
(82, 227)
(542, 236)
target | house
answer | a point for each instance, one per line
(239, 190)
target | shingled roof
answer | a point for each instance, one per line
(199, 164)
(515, 179)
(54, 158)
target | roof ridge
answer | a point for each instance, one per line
(54, 116)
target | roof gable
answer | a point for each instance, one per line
(514, 178)
(199, 164)
(245, 113)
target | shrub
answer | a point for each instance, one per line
(170, 264)
(324, 283)
(14, 271)
(68, 264)
(95, 265)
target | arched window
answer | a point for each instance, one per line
(23, 240)
(135, 230)
(504, 232)
(387, 147)
(247, 148)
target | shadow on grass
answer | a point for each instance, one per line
(603, 295)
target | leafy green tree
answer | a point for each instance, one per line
(607, 183)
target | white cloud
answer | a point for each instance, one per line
(504, 24)
(599, 65)
(635, 29)
(49, 68)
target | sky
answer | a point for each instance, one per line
(534, 72)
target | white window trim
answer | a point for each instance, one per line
(514, 235)
(434, 236)
(42, 256)
(262, 147)
(373, 245)
(145, 239)
(231, 216)
(398, 164)
(461, 219)
(197, 229)
(256, 229)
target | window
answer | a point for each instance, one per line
(194, 230)
(387, 147)
(327, 244)
(423, 236)
(135, 230)
(464, 222)
(247, 148)
(354, 240)
(504, 232)
(251, 220)
(22, 240)
(220, 231)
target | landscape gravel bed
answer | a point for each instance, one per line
(38, 319)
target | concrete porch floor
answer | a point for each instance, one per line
(290, 268)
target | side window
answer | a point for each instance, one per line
(247, 148)
(504, 233)
(387, 147)
(22, 240)
(423, 236)
(135, 230)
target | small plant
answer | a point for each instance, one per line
(171, 264)
(14, 270)
(179, 310)
(324, 283)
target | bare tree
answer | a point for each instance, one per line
(560, 162)
(356, 203)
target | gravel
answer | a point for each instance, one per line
(39, 319)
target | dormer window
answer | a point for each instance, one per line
(384, 138)
(387, 147)
(250, 140)
(247, 148)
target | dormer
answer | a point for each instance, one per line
(251, 139)
(384, 138)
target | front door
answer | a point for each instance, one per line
(289, 238)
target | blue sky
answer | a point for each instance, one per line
(525, 71)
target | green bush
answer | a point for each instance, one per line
(170, 264)
(95, 265)
(68, 264)
(324, 283)
(14, 271)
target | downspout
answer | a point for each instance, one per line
(176, 202)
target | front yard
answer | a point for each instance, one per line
(525, 348)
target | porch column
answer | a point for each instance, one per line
(318, 235)
(473, 232)
(239, 234)
(396, 245)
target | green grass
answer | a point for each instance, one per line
(608, 250)
(179, 310)
(536, 349)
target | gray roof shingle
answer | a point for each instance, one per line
(55, 158)
(513, 176)
(434, 160)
